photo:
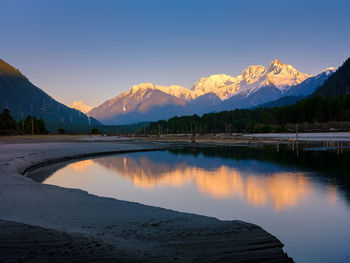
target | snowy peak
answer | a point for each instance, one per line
(255, 85)
(282, 75)
(329, 70)
(143, 102)
(276, 66)
(275, 63)
(142, 87)
(251, 79)
(219, 84)
(253, 73)
(308, 86)
(81, 106)
(225, 86)
(174, 90)
(212, 82)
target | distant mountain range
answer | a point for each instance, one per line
(81, 106)
(275, 85)
(300, 91)
(22, 98)
(327, 108)
(255, 86)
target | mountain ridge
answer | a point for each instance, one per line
(81, 106)
(337, 84)
(256, 84)
(300, 91)
(23, 98)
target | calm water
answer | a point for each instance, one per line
(304, 200)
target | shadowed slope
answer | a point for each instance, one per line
(22, 98)
(338, 83)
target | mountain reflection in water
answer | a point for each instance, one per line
(301, 198)
(281, 189)
(82, 165)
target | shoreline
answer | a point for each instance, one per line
(79, 156)
(128, 231)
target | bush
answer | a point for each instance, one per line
(6, 121)
(95, 131)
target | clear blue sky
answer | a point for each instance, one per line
(94, 50)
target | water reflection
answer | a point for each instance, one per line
(81, 165)
(281, 189)
(301, 199)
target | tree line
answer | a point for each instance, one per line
(29, 125)
(317, 109)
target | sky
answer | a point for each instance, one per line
(94, 50)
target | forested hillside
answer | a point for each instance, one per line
(338, 83)
(23, 98)
(311, 110)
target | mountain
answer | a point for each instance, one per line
(242, 101)
(283, 101)
(277, 74)
(300, 91)
(308, 86)
(261, 84)
(221, 85)
(337, 84)
(203, 103)
(81, 106)
(142, 102)
(255, 85)
(22, 98)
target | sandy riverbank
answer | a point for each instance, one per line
(48, 222)
(328, 140)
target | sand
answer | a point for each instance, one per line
(304, 137)
(43, 222)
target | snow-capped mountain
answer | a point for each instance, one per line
(277, 74)
(142, 102)
(300, 91)
(81, 106)
(311, 84)
(263, 84)
(221, 85)
(255, 85)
